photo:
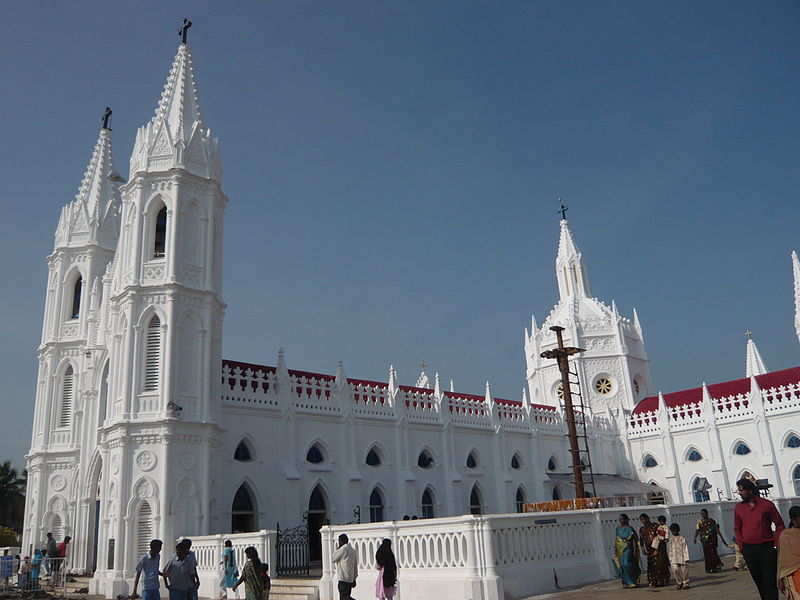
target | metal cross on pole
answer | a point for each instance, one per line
(562, 354)
(184, 30)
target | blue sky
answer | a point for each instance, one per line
(393, 170)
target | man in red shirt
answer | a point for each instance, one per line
(753, 519)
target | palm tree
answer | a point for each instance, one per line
(12, 494)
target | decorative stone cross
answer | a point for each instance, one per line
(184, 29)
(563, 210)
(749, 334)
(106, 117)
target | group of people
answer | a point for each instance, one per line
(28, 569)
(345, 560)
(762, 545)
(180, 573)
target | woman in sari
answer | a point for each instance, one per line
(626, 553)
(36, 566)
(708, 530)
(789, 557)
(385, 586)
(657, 575)
(252, 576)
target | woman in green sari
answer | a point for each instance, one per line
(252, 576)
(626, 553)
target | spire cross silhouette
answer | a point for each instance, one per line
(423, 364)
(106, 117)
(749, 334)
(563, 210)
(184, 30)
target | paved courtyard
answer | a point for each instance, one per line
(730, 585)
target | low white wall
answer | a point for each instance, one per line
(506, 557)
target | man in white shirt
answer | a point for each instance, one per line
(148, 565)
(346, 560)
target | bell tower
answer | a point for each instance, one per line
(165, 323)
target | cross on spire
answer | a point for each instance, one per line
(423, 364)
(105, 118)
(749, 334)
(184, 30)
(563, 210)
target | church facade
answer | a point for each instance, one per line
(142, 429)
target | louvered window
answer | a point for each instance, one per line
(55, 528)
(152, 355)
(144, 529)
(76, 299)
(67, 393)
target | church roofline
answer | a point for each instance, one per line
(725, 389)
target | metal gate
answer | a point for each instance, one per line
(292, 551)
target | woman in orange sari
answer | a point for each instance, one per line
(789, 556)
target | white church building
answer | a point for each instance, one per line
(143, 430)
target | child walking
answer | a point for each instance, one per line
(740, 565)
(679, 557)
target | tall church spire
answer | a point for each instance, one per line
(92, 218)
(796, 272)
(754, 365)
(571, 272)
(177, 136)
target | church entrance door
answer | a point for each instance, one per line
(317, 517)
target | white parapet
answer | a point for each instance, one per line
(505, 557)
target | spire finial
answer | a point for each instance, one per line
(749, 334)
(563, 210)
(106, 117)
(184, 30)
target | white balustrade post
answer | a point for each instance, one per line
(603, 561)
(327, 583)
(492, 584)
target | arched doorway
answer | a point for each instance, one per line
(317, 517)
(93, 530)
(243, 511)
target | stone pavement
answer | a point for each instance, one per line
(727, 585)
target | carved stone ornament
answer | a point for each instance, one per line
(146, 460)
(115, 463)
(144, 489)
(187, 461)
(58, 482)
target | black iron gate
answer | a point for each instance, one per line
(292, 551)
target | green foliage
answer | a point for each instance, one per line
(12, 495)
(8, 537)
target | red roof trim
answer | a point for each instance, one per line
(725, 389)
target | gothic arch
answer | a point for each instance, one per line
(688, 450)
(787, 436)
(144, 319)
(646, 464)
(379, 451)
(66, 393)
(794, 477)
(321, 486)
(153, 204)
(323, 448)
(144, 490)
(428, 509)
(477, 504)
(736, 444)
(698, 496)
(378, 503)
(520, 498)
(250, 443)
(69, 286)
(103, 387)
(93, 474)
(244, 507)
(476, 457)
(427, 453)
(746, 474)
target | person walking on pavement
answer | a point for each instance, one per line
(148, 564)
(753, 519)
(346, 561)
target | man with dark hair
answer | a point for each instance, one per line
(346, 560)
(753, 519)
(52, 550)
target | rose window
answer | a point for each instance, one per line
(603, 386)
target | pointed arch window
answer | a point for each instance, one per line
(796, 480)
(472, 460)
(67, 395)
(516, 461)
(160, 234)
(556, 493)
(315, 455)
(376, 506)
(77, 293)
(649, 462)
(793, 441)
(475, 501)
(519, 500)
(242, 452)
(55, 528)
(551, 464)
(694, 455)
(243, 511)
(152, 355)
(425, 460)
(427, 504)
(144, 528)
(373, 458)
(742, 449)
